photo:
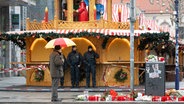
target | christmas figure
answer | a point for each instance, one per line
(99, 9)
(82, 12)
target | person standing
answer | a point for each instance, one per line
(90, 65)
(74, 60)
(56, 62)
(64, 69)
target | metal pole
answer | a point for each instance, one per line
(132, 21)
(176, 47)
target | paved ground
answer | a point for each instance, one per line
(13, 89)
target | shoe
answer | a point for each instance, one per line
(94, 86)
(61, 87)
(77, 86)
(87, 86)
(56, 100)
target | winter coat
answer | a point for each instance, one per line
(90, 58)
(56, 63)
(74, 58)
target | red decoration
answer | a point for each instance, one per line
(181, 98)
(156, 98)
(119, 14)
(93, 98)
(94, 12)
(46, 15)
(121, 98)
(113, 93)
(161, 59)
(98, 37)
(166, 98)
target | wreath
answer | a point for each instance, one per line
(120, 76)
(39, 74)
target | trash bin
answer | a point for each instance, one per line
(155, 78)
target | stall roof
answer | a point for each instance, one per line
(111, 32)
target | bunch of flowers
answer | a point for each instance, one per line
(172, 93)
(153, 58)
(133, 94)
(111, 92)
(39, 74)
(120, 76)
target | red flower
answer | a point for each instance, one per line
(113, 93)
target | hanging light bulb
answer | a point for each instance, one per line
(161, 11)
(157, 1)
(163, 4)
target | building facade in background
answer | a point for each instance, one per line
(13, 14)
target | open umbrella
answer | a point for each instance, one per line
(63, 42)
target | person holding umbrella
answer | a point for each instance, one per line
(74, 60)
(56, 62)
(90, 65)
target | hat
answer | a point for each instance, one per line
(89, 47)
(57, 47)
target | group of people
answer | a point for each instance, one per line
(58, 62)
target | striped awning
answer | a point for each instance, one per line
(111, 32)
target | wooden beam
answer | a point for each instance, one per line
(57, 8)
(109, 10)
(91, 10)
(70, 10)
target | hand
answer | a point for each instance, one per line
(78, 66)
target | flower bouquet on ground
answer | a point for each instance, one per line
(109, 95)
(81, 98)
(132, 95)
(173, 94)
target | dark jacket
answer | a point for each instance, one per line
(56, 63)
(74, 58)
(90, 58)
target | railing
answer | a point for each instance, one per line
(61, 24)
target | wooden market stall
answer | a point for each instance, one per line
(110, 40)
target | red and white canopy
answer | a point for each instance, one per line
(111, 32)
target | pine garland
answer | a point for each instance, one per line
(147, 40)
(120, 76)
(39, 75)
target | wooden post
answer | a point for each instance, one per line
(136, 25)
(55, 22)
(70, 10)
(27, 24)
(109, 10)
(57, 8)
(91, 10)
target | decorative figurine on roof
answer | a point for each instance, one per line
(99, 8)
(82, 12)
(75, 7)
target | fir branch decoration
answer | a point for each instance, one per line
(120, 76)
(39, 75)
